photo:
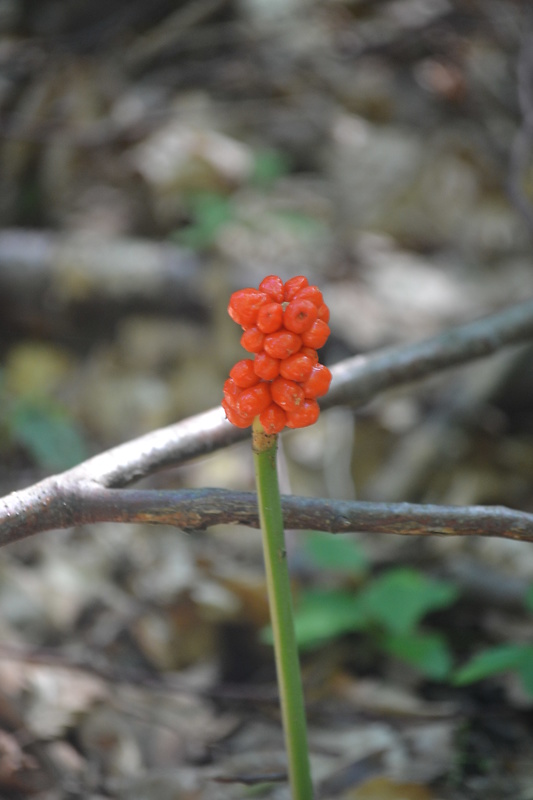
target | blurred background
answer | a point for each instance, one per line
(154, 157)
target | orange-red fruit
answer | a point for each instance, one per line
(282, 344)
(307, 414)
(287, 394)
(243, 373)
(293, 286)
(296, 368)
(252, 340)
(299, 315)
(311, 293)
(270, 317)
(312, 354)
(323, 313)
(266, 367)
(284, 325)
(254, 400)
(235, 418)
(317, 335)
(244, 306)
(317, 384)
(273, 286)
(273, 419)
(231, 392)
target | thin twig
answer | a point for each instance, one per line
(193, 510)
(79, 495)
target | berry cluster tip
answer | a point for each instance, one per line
(284, 324)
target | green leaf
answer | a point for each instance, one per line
(48, 434)
(401, 597)
(210, 212)
(428, 652)
(322, 615)
(299, 223)
(269, 165)
(491, 661)
(528, 599)
(525, 669)
(336, 552)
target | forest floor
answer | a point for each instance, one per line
(155, 157)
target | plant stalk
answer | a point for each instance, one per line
(281, 613)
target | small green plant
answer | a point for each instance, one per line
(340, 554)
(269, 165)
(47, 433)
(388, 608)
(42, 427)
(284, 324)
(209, 212)
(501, 658)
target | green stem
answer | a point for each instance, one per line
(281, 614)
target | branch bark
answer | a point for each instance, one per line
(85, 276)
(197, 509)
(83, 494)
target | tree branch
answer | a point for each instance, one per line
(198, 509)
(79, 494)
(358, 380)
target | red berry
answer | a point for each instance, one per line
(287, 394)
(252, 401)
(317, 335)
(299, 315)
(284, 325)
(231, 392)
(266, 367)
(323, 313)
(235, 418)
(306, 414)
(243, 373)
(311, 293)
(270, 317)
(252, 340)
(297, 367)
(317, 384)
(282, 344)
(273, 418)
(308, 351)
(293, 286)
(273, 286)
(244, 306)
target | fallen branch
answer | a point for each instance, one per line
(197, 509)
(83, 275)
(83, 494)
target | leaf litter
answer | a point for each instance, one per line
(133, 659)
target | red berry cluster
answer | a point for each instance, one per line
(284, 324)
